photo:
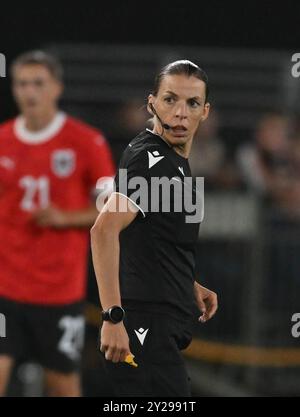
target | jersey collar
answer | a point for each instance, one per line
(41, 136)
(182, 158)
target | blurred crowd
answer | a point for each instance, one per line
(269, 165)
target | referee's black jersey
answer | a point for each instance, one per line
(157, 250)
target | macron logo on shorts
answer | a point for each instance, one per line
(141, 334)
(154, 157)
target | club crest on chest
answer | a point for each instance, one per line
(63, 162)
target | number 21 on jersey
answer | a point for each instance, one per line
(36, 192)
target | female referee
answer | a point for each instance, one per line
(144, 259)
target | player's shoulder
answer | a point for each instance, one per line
(6, 128)
(82, 130)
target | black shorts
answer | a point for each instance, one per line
(156, 339)
(50, 335)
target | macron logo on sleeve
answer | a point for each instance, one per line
(154, 157)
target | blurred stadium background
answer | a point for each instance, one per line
(249, 154)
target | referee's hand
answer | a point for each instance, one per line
(207, 302)
(114, 342)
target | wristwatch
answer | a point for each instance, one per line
(114, 314)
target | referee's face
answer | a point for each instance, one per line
(180, 103)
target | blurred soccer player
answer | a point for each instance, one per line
(49, 166)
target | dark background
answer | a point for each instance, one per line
(254, 24)
(215, 23)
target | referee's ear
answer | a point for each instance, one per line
(205, 112)
(150, 104)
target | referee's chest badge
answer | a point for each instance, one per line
(63, 162)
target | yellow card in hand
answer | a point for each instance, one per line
(130, 361)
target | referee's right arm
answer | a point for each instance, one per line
(115, 216)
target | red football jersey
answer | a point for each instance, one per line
(59, 165)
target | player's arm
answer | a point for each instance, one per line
(207, 301)
(54, 217)
(116, 215)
